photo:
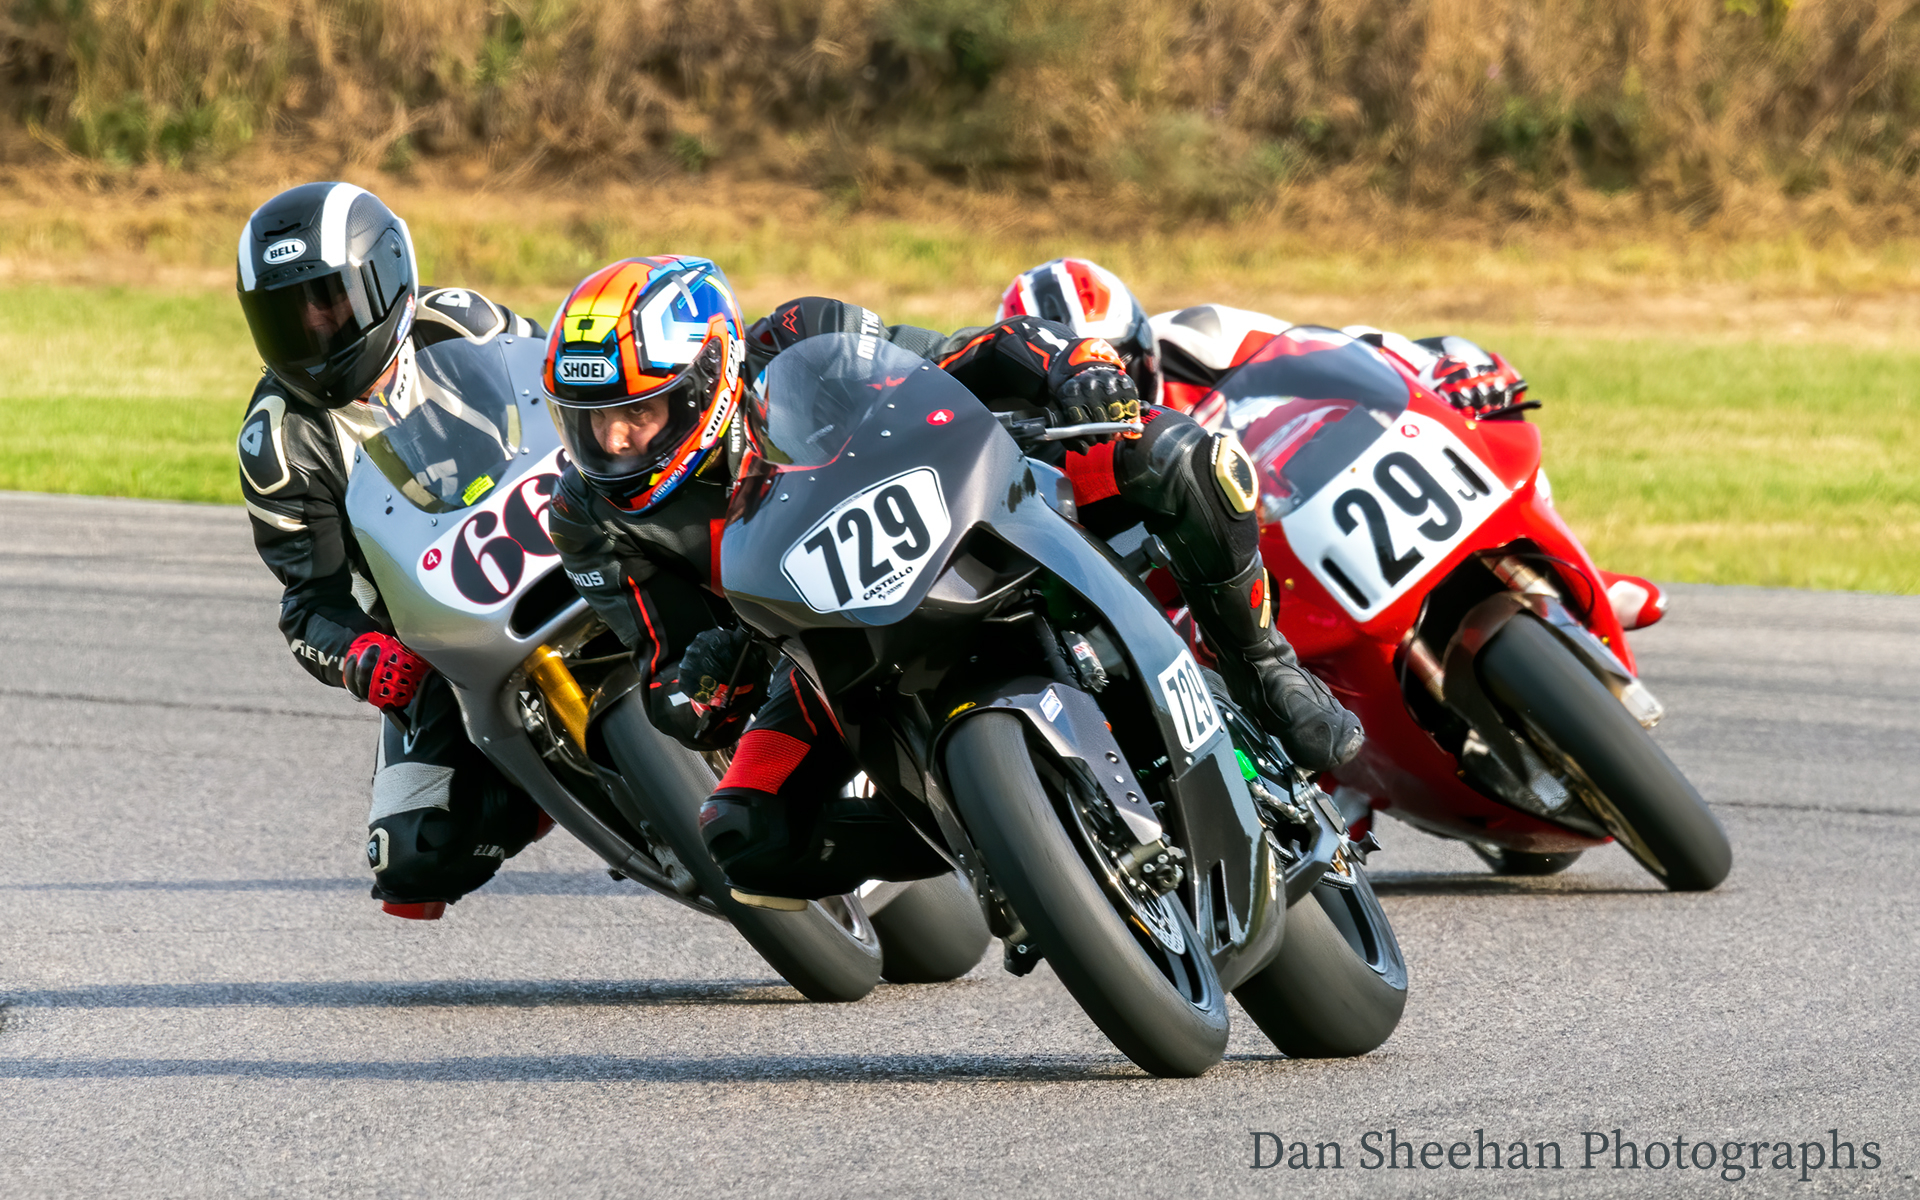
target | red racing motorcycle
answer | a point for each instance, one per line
(1423, 573)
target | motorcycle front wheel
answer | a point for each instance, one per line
(1339, 984)
(829, 950)
(1615, 766)
(1138, 969)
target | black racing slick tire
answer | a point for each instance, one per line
(829, 951)
(1339, 984)
(931, 932)
(1633, 787)
(1523, 862)
(1154, 995)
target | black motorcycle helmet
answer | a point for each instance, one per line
(327, 279)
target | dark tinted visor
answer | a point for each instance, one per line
(304, 323)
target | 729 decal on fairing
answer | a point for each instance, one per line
(867, 551)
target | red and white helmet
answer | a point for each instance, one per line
(1199, 345)
(1090, 300)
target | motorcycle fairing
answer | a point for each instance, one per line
(1402, 767)
(479, 648)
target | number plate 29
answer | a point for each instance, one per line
(872, 546)
(1394, 514)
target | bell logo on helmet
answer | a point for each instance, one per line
(584, 369)
(283, 251)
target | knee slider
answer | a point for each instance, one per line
(1201, 490)
(429, 854)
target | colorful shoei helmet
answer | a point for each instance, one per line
(1084, 295)
(327, 280)
(645, 348)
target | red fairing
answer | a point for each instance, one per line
(1402, 768)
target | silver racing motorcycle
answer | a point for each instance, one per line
(450, 506)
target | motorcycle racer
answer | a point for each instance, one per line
(1177, 358)
(329, 285)
(646, 365)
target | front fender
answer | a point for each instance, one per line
(1073, 728)
(1511, 770)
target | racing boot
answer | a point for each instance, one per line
(775, 857)
(1265, 676)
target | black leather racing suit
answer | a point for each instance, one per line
(442, 818)
(653, 578)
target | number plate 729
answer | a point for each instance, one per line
(872, 545)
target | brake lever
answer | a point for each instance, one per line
(1034, 430)
(1061, 433)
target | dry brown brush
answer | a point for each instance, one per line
(1205, 108)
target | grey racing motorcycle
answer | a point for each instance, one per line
(1006, 681)
(449, 506)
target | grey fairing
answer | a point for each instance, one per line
(1465, 695)
(987, 483)
(503, 740)
(480, 653)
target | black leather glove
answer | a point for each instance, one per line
(1094, 394)
(724, 673)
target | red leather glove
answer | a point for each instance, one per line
(379, 670)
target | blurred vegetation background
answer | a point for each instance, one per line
(1692, 223)
(1735, 109)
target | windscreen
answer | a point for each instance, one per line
(460, 432)
(806, 404)
(1307, 404)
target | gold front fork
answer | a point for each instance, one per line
(564, 698)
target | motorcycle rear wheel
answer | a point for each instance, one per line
(1339, 984)
(1618, 770)
(1155, 995)
(829, 951)
(931, 932)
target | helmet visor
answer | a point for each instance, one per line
(624, 442)
(300, 325)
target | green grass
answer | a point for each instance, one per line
(123, 392)
(1776, 463)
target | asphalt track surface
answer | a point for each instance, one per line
(198, 998)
